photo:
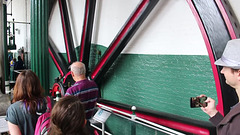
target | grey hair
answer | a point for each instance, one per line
(78, 69)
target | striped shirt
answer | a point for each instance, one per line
(87, 91)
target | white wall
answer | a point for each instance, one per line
(76, 12)
(235, 6)
(20, 10)
(169, 29)
(170, 25)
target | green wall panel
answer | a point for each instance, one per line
(115, 126)
(96, 53)
(160, 82)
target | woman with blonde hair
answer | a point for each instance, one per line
(28, 104)
(68, 117)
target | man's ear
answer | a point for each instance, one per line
(72, 73)
(238, 74)
(85, 122)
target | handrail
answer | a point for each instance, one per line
(18, 22)
(138, 120)
(100, 129)
(175, 122)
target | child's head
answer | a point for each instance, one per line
(68, 117)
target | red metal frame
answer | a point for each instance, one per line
(84, 29)
(211, 57)
(55, 62)
(64, 31)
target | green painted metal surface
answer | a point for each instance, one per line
(119, 126)
(39, 41)
(162, 83)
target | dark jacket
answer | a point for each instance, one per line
(19, 64)
(230, 124)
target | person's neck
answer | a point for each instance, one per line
(238, 93)
(80, 78)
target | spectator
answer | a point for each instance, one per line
(68, 117)
(86, 90)
(12, 64)
(28, 104)
(19, 64)
(230, 60)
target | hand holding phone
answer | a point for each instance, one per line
(198, 102)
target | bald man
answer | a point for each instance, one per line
(86, 90)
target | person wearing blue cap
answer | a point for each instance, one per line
(230, 60)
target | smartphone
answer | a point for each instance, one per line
(198, 102)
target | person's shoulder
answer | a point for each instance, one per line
(236, 113)
(15, 108)
(70, 90)
(94, 83)
(91, 81)
(16, 104)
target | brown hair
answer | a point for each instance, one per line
(68, 117)
(29, 90)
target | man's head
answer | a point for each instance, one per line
(78, 70)
(19, 58)
(230, 61)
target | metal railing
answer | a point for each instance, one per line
(135, 120)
